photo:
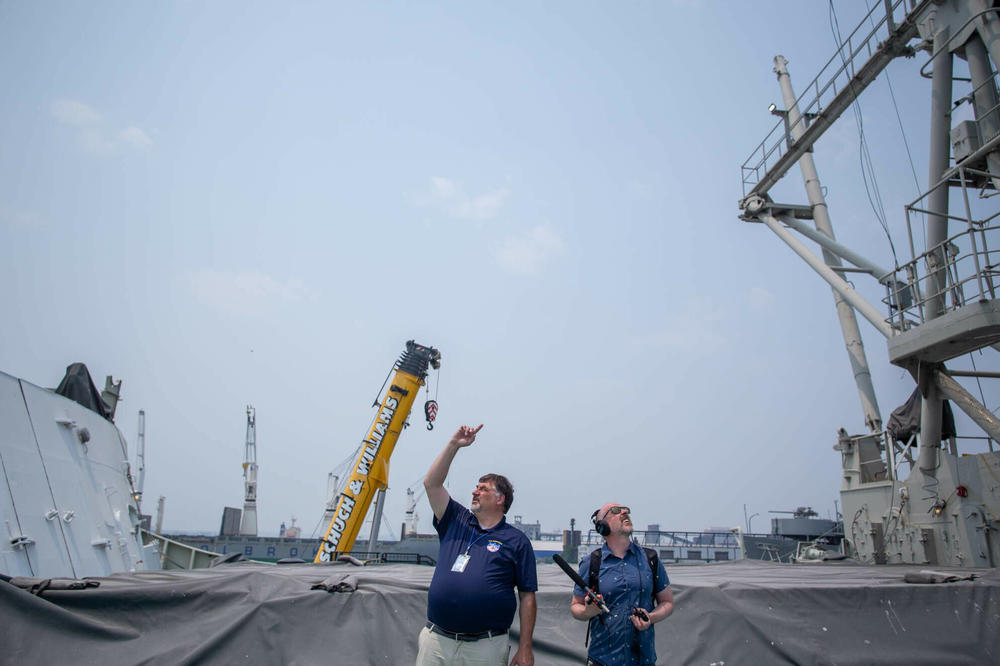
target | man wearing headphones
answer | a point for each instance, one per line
(632, 583)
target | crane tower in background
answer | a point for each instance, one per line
(412, 517)
(248, 524)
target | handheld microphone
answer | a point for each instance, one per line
(591, 595)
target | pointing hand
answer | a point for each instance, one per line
(465, 435)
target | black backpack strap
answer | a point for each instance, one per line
(594, 581)
(654, 566)
(595, 571)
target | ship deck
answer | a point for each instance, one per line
(729, 613)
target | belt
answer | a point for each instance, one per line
(458, 636)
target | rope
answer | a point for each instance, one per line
(875, 200)
(982, 456)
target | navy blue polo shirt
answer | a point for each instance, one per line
(624, 583)
(481, 598)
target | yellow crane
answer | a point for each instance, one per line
(371, 469)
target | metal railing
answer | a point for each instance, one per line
(890, 455)
(368, 557)
(673, 546)
(961, 270)
(177, 555)
(836, 76)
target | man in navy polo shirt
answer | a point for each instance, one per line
(471, 603)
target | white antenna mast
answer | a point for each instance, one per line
(140, 459)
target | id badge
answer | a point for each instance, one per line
(460, 562)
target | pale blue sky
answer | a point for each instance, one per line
(229, 203)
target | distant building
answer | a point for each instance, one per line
(531, 530)
(231, 518)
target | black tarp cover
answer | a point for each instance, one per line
(77, 385)
(904, 422)
(743, 612)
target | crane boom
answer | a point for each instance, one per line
(371, 469)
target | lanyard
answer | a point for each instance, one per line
(473, 541)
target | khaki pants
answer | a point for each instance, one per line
(438, 650)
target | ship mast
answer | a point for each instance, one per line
(821, 219)
(248, 524)
(942, 303)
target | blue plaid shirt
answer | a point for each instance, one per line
(625, 583)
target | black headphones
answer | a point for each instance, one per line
(601, 526)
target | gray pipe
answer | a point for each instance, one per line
(954, 391)
(984, 100)
(937, 233)
(856, 300)
(841, 251)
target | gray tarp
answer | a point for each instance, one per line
(728, 614)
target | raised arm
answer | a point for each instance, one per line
(436, 475)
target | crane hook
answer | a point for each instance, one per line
(430, 413)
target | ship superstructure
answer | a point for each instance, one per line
(908, 498)
(68, 506)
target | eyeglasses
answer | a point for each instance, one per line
(618, 509)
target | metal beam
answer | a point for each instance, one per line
(969, 373)
(856, 300)
(863, 264)
(954, 391)
(824, 231)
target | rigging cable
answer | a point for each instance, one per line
(979, 383)
(902, 132)
(867, 169)
(341, 472)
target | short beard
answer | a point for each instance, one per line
(475, 508)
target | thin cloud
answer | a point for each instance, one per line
(696, 326)
(93, 133)
(20, 219)
(759, 298)
(243, 292)
(94, 141)
(527, 253)
(135, 137)
(447, 195)
(77, 114)
(443, 188)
